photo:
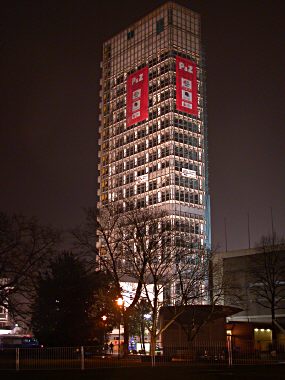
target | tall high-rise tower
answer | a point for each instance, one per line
(153, 122)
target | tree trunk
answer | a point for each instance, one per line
(153, 337)
(273, 327)
(142, 335)
(154, 324)
(126, 334)
(152, 342)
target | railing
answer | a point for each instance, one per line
(195, 354)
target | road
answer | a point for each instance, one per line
(275, 372)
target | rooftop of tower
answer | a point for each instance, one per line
(153, 13)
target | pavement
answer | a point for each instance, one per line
(244, 372)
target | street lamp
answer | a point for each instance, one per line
(229, 347)
(104, 319)
(120, 303)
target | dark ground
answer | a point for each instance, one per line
(159, 373)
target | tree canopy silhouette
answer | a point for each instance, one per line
(70, 302)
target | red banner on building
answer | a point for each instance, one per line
(186, 86)
(137, 96)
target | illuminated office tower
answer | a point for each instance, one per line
(153, 121)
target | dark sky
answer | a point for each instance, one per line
(50, 57)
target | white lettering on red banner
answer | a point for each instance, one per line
(137, 96)
(186, 86)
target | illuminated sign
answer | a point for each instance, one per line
(189, 173)
(142, 178)
(186, 86)
(137, 96)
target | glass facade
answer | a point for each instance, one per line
(160, 161)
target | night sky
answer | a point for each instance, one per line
(50, 71)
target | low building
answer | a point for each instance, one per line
(242, 270)
(198, 328)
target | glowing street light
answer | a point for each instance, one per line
(120, 303)
(104, 319)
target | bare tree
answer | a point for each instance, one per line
(24, 248)
(183, 273)
(123, 243)
(195, 279)
(222, 287)
(143, 246)
(206, 284)
(267, 272)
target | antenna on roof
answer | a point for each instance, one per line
(248, 230)
(226, 235)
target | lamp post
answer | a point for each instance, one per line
(146, 318)
(229, 347)
(104, 319)
(120, 303)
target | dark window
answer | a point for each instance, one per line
(164, 69)
(130, 138)
(152, 185)
(165, 55)
(152, 128)
(153, 199)
(153, 114)
(164, 82)
(119, 155)
(152, 62)
(130, 151)
(140, 172)
(159, 26)
(163, 166)
(141, 133)
(170, 17)
(165, 95)
(119, 168)
(165, 109)
(153, 156)
(141, 188)
(130, 164)
(130, 34)
(129, 192)
(130, 206)
(120, 104)
(164, 123)
(119, 142)
(165, 196)
(152, 142)
(119, 181)
(140, 203)
(141, 161)
(120, 79)
(153, 168)
(153, 88)
(130, 178)
(120, 91)
(153, 74)
(141, 147)
(107, 52)
(164, 137)
(165, 152)
(141, 66)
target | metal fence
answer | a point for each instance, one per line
(196, 354)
